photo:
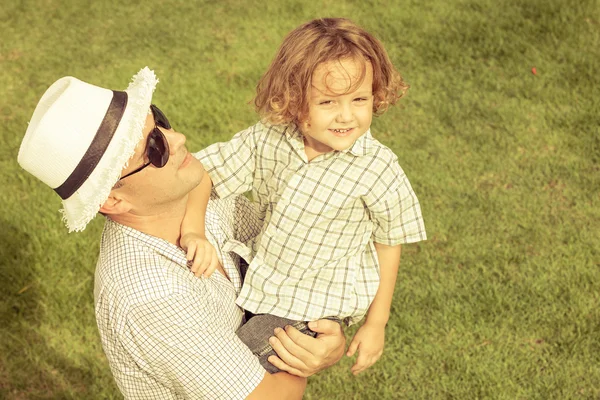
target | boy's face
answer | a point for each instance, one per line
(339, 112)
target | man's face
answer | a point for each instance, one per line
(154, 187)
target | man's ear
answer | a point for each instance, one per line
(115, 205)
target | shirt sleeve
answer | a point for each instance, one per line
(188, 349)
(230, 165)
(394, 207)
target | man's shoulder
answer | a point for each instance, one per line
(135, 270)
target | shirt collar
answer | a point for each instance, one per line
(292, 132)
(156, 244)
(361, 147)
(171, 252)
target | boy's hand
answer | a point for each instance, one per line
(201, 255)
(368, 340)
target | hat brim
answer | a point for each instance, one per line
(79, 209)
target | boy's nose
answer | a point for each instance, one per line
(344, 114)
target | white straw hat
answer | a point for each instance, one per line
(81, 136)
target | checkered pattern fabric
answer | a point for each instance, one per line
(314, 256)
(166, 333)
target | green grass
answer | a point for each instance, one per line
(502, 302)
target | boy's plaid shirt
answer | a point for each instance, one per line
(314, 256)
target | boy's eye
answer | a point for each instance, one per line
(361, 99)
(325, 102)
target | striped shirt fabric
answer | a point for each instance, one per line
(314, 256)
(168, 334)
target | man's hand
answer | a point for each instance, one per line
(201, 255)
(303, 355)
(369, 341)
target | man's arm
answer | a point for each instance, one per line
(304, 356)
(180, 342)
(279, 386)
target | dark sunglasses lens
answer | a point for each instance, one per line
(158, 149)
(159, 117)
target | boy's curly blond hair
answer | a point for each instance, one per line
(283, 91)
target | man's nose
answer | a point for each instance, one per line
(176, 140)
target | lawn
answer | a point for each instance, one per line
(499, 135)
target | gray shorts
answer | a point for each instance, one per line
(257, 330)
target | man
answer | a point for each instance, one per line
(167, 334)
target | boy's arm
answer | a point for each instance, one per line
(369, 339)
(389, 262)
(193, 235)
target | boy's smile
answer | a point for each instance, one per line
(340, 110)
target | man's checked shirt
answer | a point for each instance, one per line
(166, 333)
(314, 256)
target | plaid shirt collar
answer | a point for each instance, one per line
(176, 254)
(361, 147)
(166, 249)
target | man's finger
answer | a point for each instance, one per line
(276, 361)
(287, 350)
(281, 351)
(295, 342)
(325, 326)
(301, 344)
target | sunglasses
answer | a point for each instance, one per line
(157, 147)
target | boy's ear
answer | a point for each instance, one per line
(115, 205)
